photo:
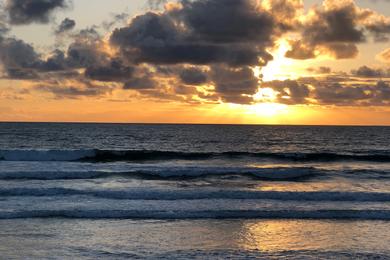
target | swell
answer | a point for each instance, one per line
(188, 194)
(95, 155)
(278, 174)
(209, 214)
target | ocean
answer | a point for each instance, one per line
(139, 191)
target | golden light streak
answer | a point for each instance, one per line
(280, 68)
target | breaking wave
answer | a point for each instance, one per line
(278, 174)
(188, 194)
(208, 214)
(95, 155)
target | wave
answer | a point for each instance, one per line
(277, 173)
(209, 214)
(95, 155)
(46, 155)
(188, 194)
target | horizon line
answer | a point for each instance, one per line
(178, 123)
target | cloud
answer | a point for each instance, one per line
(320, 70)
(66, 25)
(114, 72)
(156, 4)
(365, 71)
(384, 55)
(335, 29)
(141, 83)
(18, 58)
(72, 92)
(30, 11)
(193, 76)
(286, 13)
(300, 51)
(235, 85)
(228, 21)
(289, 91)
(203, 32)
(338, 94)
(203, 51)
(330, 91)
(71, 85)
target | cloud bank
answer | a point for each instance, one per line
(202, 51)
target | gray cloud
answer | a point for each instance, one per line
(331, 91)
(141, 83)
(18, 58)
(365, 71)
(114, 72)
(336, 30)
(155, 4)
(289, 91)
(193, 76)
(66, 25)
(29, 11)
(203, 32)
(235, 85)
(320, 70)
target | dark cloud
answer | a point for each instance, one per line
(193, 76)
(227, 36)
(289, 91)
(29, 11)
(334, 25)
(227, 21)
(114, 72)
(380, 30)
(382, 93)
(185, 90)
(141, 83)
(72, 92)
(203, 32)
(300, 51)
(202, 51)
(335, 29)
(18, 58)
(235, 85)
(84, 55)
(331, 91)
(365, 71)
(338, 94)
(342, 50)
(285, 12)
(320, 70)
(66, 25)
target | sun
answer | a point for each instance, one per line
(267, 109)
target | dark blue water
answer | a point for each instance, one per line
(139, 175)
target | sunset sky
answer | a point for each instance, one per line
(196, 61)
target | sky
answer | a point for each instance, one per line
(196, 61)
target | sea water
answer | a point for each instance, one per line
(121, 191)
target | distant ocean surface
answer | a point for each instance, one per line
(120, 191)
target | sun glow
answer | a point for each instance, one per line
(280, 68)
(267, 109)
(265, 95)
